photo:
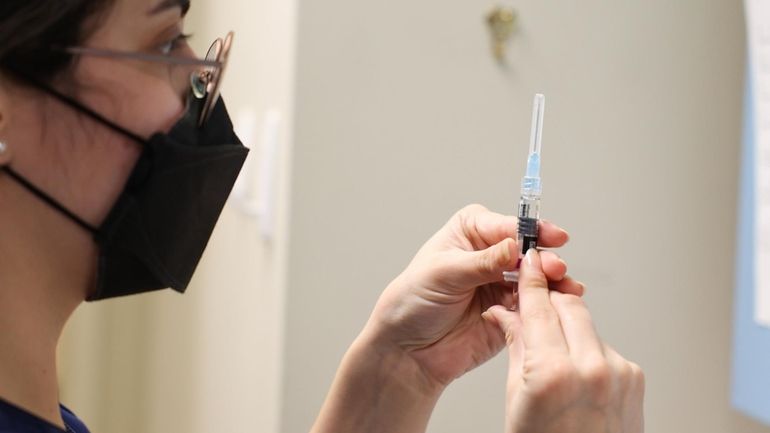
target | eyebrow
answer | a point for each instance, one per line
(170, 4)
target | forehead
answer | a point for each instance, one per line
(160, 6)
(150, 8)
(136, 17)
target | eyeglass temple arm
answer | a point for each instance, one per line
(183, 61)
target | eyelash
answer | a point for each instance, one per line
(174, 44)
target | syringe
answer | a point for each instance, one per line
(531, 188)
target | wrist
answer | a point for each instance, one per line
(393, 365)
(378, 389)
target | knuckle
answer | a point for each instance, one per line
(466, 218)
(567, 300)
(597, 378)
(638, 376)
(555, 377)
(563, 371)
(534, 281)
(439, 270)
(571, 308)
(472, 209)
(468, 213)
(487, 263)
(625, 375)
(540, 313)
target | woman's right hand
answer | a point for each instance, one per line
(562, 377)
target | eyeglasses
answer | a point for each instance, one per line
(205, 82)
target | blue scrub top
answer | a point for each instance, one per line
(16, 420)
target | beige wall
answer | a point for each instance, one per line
(394, 117)
(402, 118)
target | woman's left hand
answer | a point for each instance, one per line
(432, 311)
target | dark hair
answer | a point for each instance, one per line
(30, 31)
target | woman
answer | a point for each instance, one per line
(96, 203)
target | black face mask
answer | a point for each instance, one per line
(157, 230)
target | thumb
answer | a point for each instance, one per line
(534, 294)
(510, 324)
(476, 268)
(508, 321)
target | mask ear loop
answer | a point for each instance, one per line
(80, 107)
(85, 110)
(49, 200)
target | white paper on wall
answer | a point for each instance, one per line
(758, 27)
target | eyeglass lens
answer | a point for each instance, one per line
(207, 81)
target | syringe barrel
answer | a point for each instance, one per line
(529, 215)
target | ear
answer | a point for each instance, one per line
(5, 148)
(5, 154)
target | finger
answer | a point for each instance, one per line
(485, 228)
(540, 321)
(553, 266)
(619, 363)
(630, 373)
(622, 372)
(613, 357)
(497, 294)
(615, 360)
(578, 327)
(568, 286)
(509, 323)
(550, 235)
(476, 268)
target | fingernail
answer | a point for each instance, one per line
(489, 317)
(532, 257)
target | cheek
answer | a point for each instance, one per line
(150, 104)
(155, 110)
(103, 167)
(142, 97)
